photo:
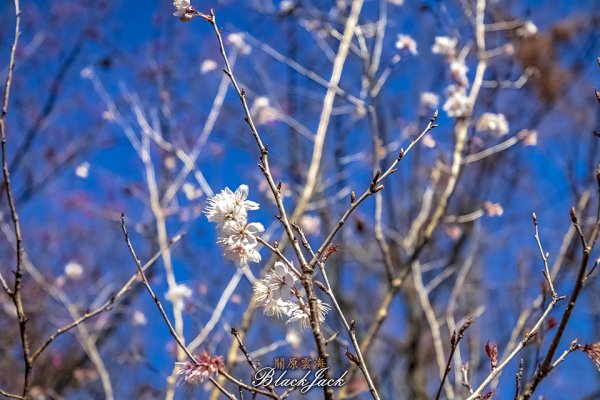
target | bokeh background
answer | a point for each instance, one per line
(88, 74)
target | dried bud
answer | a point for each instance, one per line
(492, 353)
(487, 396)
(352, 197)
(573, 215)
(321, 286)
(597, 95)
(534, 218)
(464, 327)
(333, 248)
(435, 116)
(352, 357)
(550, 323)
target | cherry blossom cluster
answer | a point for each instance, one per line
(237, 237)
(278, 295)
(457, 101)
(195, 373)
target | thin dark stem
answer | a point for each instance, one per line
(16, 292)
(454, 341)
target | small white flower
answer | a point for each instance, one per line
(298, 313)
(310, 224)
(294, 338)
(178, 294)
(428, 141)
(429, 100)
(495, 124)
(458, 70)
(280, 281)
(190, 191)
(405, 42)
(239, 233)
(87, 72)
(444, 45)
(73, 270)
(228, 205)
(396, 2)
(457, 102)
(527, 29)
(139, 318)
(241, 255)
(237, 40)
(83, 170)
(493, 209)
(207, 66)
(262, 112)
(286, 6)
(183, 9)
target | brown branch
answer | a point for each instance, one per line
(456, 338)
(16, 292)
(587, 245)
(10, 395)
(104, 307)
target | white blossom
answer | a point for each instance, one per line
(262, 112)
(300, 314)
(83, 170)
(527, 29)
(238, 232)
(495, 124)
(207, 66)
(493, 209)
(228, 205)
(457, 101)
(405, 42)
(139, 318)
(458, 70)
(429, 100)
(183, 9)
(178, 294)
(444, 45)
(73, 270)
(190, 191)
(286, 6)
(237, 40)
(310, 224)
(396, 2)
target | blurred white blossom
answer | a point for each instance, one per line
(139, 318)
(83, 170)
(73, 270)
(190, 191)
(492, 209)
(444, 45)
(177, 295)
(262, 112)
(527, 29)
(429, 100)
(310, 224)
(396, 2)
(237, 40)
(207, 66)
(495, 124)
(405, 42)
(458, 71)
(183, 9)
(457, 101)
